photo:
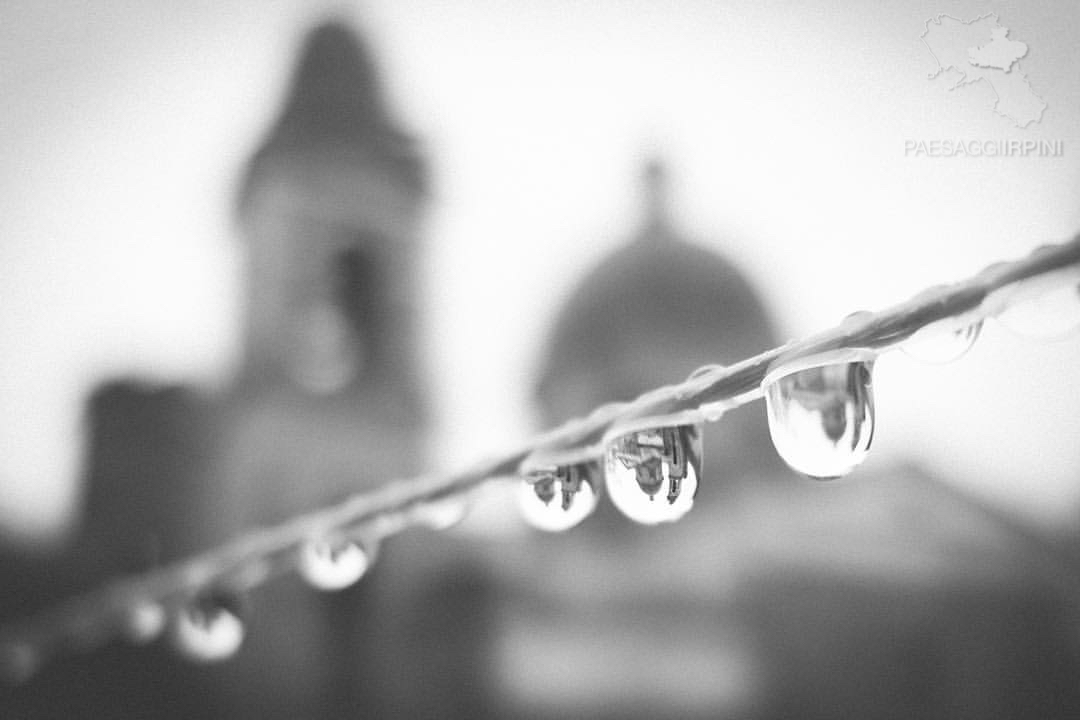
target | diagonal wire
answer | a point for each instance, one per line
(89, 620)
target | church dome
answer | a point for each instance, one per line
(653, 311)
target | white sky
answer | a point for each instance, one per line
(123, 126)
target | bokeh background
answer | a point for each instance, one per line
(124, 126)
(215, 238)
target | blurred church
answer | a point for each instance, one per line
(889, 595)
(327, 402)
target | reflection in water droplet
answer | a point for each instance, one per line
(558, 498)
(18, 662)
(145, 622)
(333, 564)
(652, 475)
(937, 346)
(1054, 315)
(209, 629)
(822, 418)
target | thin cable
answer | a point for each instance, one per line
(89, 620)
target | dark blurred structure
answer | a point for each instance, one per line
(327, 402)
(148, 477)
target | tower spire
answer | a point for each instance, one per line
(656, 198)
(335, 111)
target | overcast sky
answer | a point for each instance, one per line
(123, 126)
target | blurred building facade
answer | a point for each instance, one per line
(327, 402)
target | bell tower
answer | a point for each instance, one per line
(329, 209)
(327, 401)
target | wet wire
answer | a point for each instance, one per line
(92, 619)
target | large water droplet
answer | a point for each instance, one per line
(932, 345)
(558, 498)
(822, 418)
(1053, 315)
(652, 474)
(144, 622)
(334, 564)
(209, 628)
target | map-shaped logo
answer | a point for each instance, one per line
(977, 50)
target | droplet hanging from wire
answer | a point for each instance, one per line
(932, 345)
(144, 622)
(556, 498)
(335, 564)
(821, 412)
(653, 474)
(1051, 315)
(441, 514)
(210, 628)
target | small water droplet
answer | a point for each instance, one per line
(856, 320)
(209, 628)
(713, 412)
(821, 418)
(18, 662)
(145, 622)
(1053, 315)
(652, 474)
(704, 370)
(558, 498)
(932, 345)
(440, 514)
(328, 564)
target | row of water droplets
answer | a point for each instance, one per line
(821, 419)
(210, 626)
(820, 412)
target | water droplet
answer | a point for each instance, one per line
(440, 514)
(145, 621)
(18, 662)
(558, 498)
(932, 345)
(209, 628)
(821, 418)
(329, 564)
(856, 320)
(652, 474)
(713, 412)
(1053, 315)
(705, 370)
